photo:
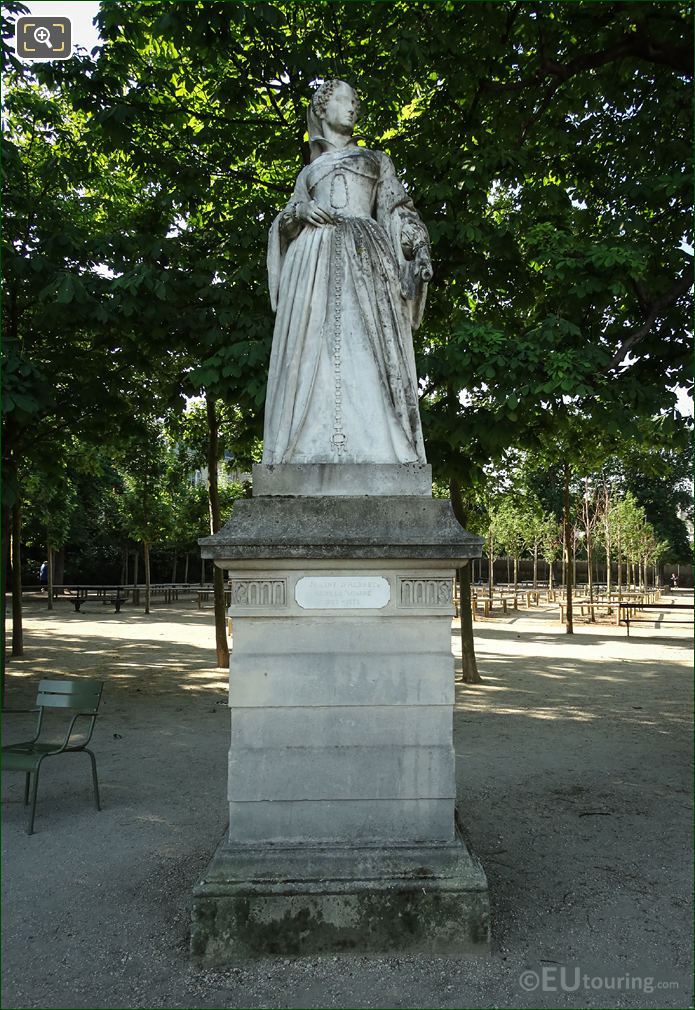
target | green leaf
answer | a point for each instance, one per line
(65, 292)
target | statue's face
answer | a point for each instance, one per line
(341, 110)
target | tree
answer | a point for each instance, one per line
(589, 517)
(512, 521)
(626, 521)
(145, 505)
(203, 432)
(51, 502)
(550, 542)
(71, 337)
(536, 531)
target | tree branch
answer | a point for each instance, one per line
(683, 285)
(536, 115)
(637, 44)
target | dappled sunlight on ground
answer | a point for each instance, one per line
(534, 670)
(172, 648)
(573, 783)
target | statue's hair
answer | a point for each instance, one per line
(322, 96)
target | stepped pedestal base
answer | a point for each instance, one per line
(274, 900)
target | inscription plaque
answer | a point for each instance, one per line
(317, 592)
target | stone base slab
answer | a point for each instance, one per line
(306, 900)
(381, 527)
(319, 479)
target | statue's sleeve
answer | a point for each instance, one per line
(284, 229)
(397, 215)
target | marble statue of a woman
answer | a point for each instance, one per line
(348, 266)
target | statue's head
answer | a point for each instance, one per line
(336, 105)
(335, 100)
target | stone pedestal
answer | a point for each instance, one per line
(341, 764)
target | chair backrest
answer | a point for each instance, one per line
(76, 694)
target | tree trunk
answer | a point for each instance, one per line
(59, 569)
(17, 633)
(174, 565)
(6, 537)
(185, 567)
(136, 563)
(535, 566)
(490, 566)
(49, 558)
(589, 573)
(146, 558)
(509, 571)
(469, 665)
(516, 575)
(567, 549)
(221, 643)
(608, 573)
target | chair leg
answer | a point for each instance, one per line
(27, 780)
(32, 812)
(94, 778)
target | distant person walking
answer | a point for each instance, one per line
(43, 575)
(674, 582)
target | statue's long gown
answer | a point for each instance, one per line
(342, 386)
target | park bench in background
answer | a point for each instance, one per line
(627, 614)
(627, 603)
(114, 595)
(505, 600)
(79, 594)
(81, 697)
(203, 595)
(169, 590)
(582, 607)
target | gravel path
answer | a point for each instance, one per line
(574, 782)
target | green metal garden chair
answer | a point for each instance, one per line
(82, 698)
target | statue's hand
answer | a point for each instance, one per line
(311, 213)
(423, 264)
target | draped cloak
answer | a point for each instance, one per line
(342, 386)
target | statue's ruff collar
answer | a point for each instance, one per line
(328, 144)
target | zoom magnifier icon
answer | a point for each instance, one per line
(47, 38)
